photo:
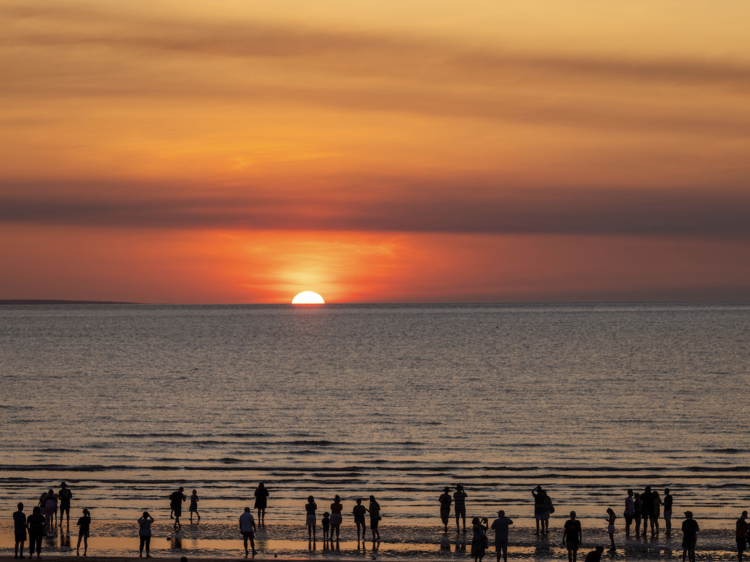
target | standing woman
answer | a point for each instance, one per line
(261, 502)
(374, 518)
(84, 524)
(194, 506)
(336, 508)
(144, 534)
(611, 517)
(479, 542)
(310, 508)
(445, 507)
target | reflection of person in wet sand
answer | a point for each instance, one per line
(445, 507)
(572, 536)
(247, 528)
(310, 508)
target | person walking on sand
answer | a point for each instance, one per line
(144, 534)
(479, 541)
(656, 502)
(741, 534)
(359, 518)
(36, 524)
(629, 510)
(690, 530)
(247, 528)
(84, 524)
(310, 508)
(65, 495)
(445, 507)
(668, 503)
(374, 510)
(261, 502)
(459, 500)
(175, 502)
(539, 495)
(194, 506)
(611, 518)
(336, 508)
(637, 513)
(19, 530)
(500, 526)
(572, 536)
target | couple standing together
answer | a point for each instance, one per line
(459, 499)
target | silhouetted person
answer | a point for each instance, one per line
(547, 510)
(572, 536)
(336, 518)
(19, 529)
(247, 528)
(84, 525)
(741, 534)
(194, 499)
(144, 534)
(656, 512)
(310, 508)
(595, 555)
(611, 518)
(647, 509)
(175, 502)
(261, 502)
(629, 512)
(50, 509)
(668, 503)
(359, 518)
(637, 513)
(445, 507)
(479, 541)
(65, 495)
(374, 510)
(500, 526)
(326, 522)
(36, 523)
(459, 500)
(539, 495)
(690, 530)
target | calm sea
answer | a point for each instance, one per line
(125, 403)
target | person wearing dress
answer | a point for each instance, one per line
(261, 502)
(310, 508)
(479, 541)
(336, 508)
(445, 507)
(144, 534)
(194, 506)
(84, 524)
(374, 518)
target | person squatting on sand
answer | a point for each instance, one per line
(572, 537)
(500, 526)
(247, 528)
(144, 534)
(84, 524)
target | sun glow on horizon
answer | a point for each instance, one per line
(308, 297)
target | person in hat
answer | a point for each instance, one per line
(690, 530)
(500, 526)
(459, 499)
(445, 507)
(741, 535)
(65, 495)
(595, 555)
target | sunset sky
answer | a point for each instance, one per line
(226, 151)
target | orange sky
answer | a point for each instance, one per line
(240, 151)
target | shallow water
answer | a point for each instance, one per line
(126, 403)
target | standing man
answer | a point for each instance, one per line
(247, 528)
(668, 500)
(445, 507)
(459, 498)
(65, 496)
(175, 502)
(741, 534)
(36, 524)
(572, 536)
(500, 525)
(539, 496)
(689, 536)
(647, 509)
(629, 510)
(19, 527)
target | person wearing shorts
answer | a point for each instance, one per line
(247, 528)
(310, 508)
(459, 499)
(741, 535)
(572, 536)
(690, 530)
(19, 528)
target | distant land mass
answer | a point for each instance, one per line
(8, 302)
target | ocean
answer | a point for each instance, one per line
(127, 402)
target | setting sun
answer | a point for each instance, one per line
(308, 297)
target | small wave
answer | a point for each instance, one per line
(728, 451)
